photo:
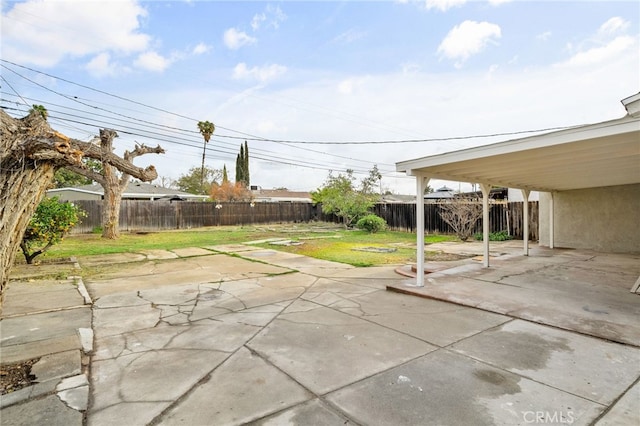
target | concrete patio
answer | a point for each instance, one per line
(578, 290)
(235, 334)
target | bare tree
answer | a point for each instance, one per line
(30, 154)
(112, 182)
(462, 213)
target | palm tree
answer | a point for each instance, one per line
(206, 129)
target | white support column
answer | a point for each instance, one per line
(421, 185)
(485, 222)
(525, 221)
(551, 221)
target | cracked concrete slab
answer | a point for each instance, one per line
(245, 387)
(155, 376)
(50, 411)
(158, 254)
(219, 339)
(113, 321)
(43, 326)
(293, 340)
(183, 271)
(314, 412)
(599, 370)
(58, 365)
(232, 248)
(42, 295)
(191, 251)
(557, 294)
(626, 411)
(443, 388)
(447, 323)
(295, 261)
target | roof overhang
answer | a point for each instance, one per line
(602, 154)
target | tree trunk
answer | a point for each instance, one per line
(30, 153)
(23, 183)
(111, 212)
(112, 195)
(114, 185)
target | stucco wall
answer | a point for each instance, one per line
(602, 219)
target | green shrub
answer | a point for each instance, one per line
(51, 221)
(372, 223)
(494, 236)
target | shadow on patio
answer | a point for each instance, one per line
(578, 290)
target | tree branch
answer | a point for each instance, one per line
(141, 150)
(86, 172)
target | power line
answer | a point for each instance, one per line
(102, 121)
(252, 137)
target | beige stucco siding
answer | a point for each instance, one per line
(602, 219)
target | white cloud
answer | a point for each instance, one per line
(609, 42)
(101, 66)
(613, 26)
(410, 68)
(602, 54)
(152, 61)
(443, 5)
(275, 16)
(272, 16)
(257, 20)
(45, 32)
(499, 2)
(467, 39)
(200, 49)
(346, 87)
(349, 36)
(235, 39)
(544, 36)
(261, 74)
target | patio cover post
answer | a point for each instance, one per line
(525, 221)
(485, 222)
(421, 185)
(551, 224)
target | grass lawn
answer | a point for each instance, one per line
(322, 241)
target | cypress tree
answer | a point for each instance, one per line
(238, 169)
(247, 179)
(225, 177)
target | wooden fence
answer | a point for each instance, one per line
(502, 217)
(138, 215)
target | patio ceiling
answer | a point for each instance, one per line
(603, 154)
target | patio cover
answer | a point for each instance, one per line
(595, 155)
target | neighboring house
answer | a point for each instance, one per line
(398, 199)
(279, 196)
(440, 194)
(134, 191)
(588, 178)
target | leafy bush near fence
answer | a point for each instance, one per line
(495, 236)
(372, 223)
(51, 221)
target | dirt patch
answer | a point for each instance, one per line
(376, 249)
(14, 377)
(442, 256)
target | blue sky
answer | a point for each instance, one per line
(320, 71)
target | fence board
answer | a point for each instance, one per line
(137, 215)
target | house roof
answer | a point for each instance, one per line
(134, 190)
(281, 195)
(601, 154)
